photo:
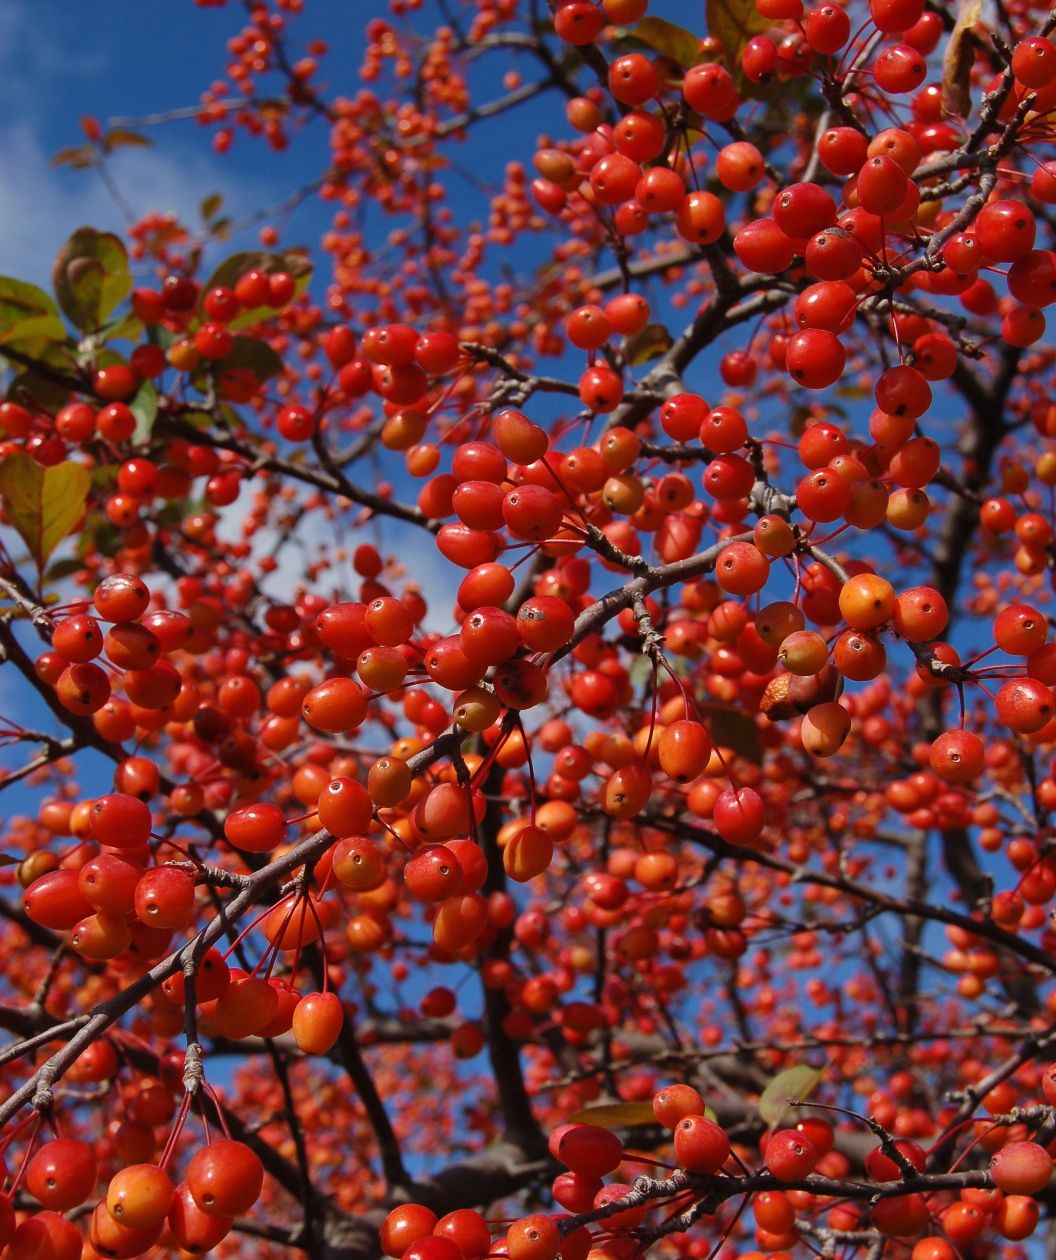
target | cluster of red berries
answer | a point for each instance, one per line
(142, 1205)
(791, 1159)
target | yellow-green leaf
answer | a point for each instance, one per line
(27, 312)
(797, 1083)
(670, 41)
(648, 344)
(958, 58)
(125, 328)
(733, 23)
(43, 504)
(144, 406)
(616, 1115)
(91, 277)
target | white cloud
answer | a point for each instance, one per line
(40, 205)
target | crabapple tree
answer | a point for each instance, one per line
(528, 721)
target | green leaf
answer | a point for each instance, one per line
(32, 335)
(43, 504)
(120, 138)
(733, 23)
(91, 277)
(670, 41)
(125, 328)
(733, 728)
(648, 344)
(144, 405)
(797, 1082)
(615, 1115)
(27, 312)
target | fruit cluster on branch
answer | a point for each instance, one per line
(531, 720)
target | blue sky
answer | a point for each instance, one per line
(62, 60)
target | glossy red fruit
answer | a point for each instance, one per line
(684, 750)
(882, 185)
(468, 1230)
(790, 1155)
(165, 899)
(404, 1226)
(83, 688)
(674, 1102)
(335, 706)
(532, 513)
(700, 218)
(62, 1173)
(55, 901)
(433, 874)
(345, 807)
(578, 22)
(225, 1178)
(1004, 230)
(1025, 705)
(701, 1146)
(762, 247)
(901, 1216)
(121, 598)
(45, 1236)
(586, 1149)
(739, 815)
(710, 88)
(801, 210)
(256, 828)
(545, 623)
(195, 1230)
(815, 358)
(900, 68)
(903, 391)
(140, 1196)
(317, 1022)
(957, 756)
